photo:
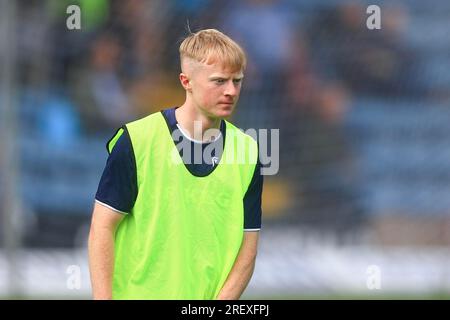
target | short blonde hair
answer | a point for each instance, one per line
(210, 46)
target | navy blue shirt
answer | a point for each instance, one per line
(118, 185)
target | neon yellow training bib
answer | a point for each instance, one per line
(184, 232)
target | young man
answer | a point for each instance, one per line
(166, 224)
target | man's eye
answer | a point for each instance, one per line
(220, 81)
(237, 80)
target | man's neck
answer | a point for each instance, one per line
(196, 124)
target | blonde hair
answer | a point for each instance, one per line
(211, 46)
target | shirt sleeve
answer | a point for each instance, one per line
(117, 189)
(252, 201)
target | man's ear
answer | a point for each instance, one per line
(185, 82)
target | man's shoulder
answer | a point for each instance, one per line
(249, 134)
(148, 128)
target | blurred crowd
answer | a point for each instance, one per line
(123, 63)
(305, 67)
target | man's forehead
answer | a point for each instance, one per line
(216, 68)
(221, 70)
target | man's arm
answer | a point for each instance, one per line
(101, 250)
(242, 270)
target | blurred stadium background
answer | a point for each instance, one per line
(363, 192)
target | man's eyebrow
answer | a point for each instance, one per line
(224, 77)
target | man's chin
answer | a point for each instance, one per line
(225, 111)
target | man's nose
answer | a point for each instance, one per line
(231, 89)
